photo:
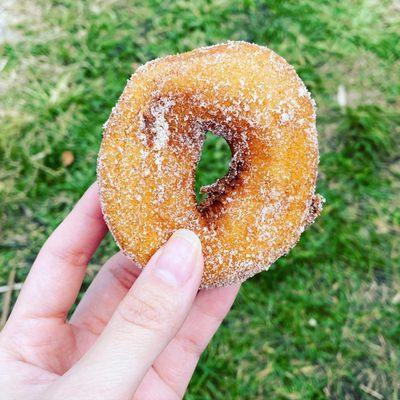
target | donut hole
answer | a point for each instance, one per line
(214, 163)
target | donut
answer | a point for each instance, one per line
(153, 140)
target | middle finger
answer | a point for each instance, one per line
(104, 294)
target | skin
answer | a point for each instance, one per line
(134, 335)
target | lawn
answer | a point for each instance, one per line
(324, 322)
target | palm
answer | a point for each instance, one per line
(38, 345)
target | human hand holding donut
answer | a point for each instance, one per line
(133, 335)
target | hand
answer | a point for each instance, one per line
(123, 341)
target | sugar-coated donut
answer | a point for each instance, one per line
(153, 140)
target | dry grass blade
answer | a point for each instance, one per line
(371, 392)
(6, 288)
(7, 298)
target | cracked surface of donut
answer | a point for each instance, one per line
(152, 143)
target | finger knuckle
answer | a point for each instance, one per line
(191, 345)
(124, 274)
(67, 255)
(149, 312)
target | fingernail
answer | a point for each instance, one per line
(179, 257)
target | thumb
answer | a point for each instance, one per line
(143, 324)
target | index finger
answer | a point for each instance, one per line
(57, 273)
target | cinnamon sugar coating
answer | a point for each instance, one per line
(152, 143)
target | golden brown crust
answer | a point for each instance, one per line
(152, 143)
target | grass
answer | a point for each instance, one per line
(213, 163)
(324, 322)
